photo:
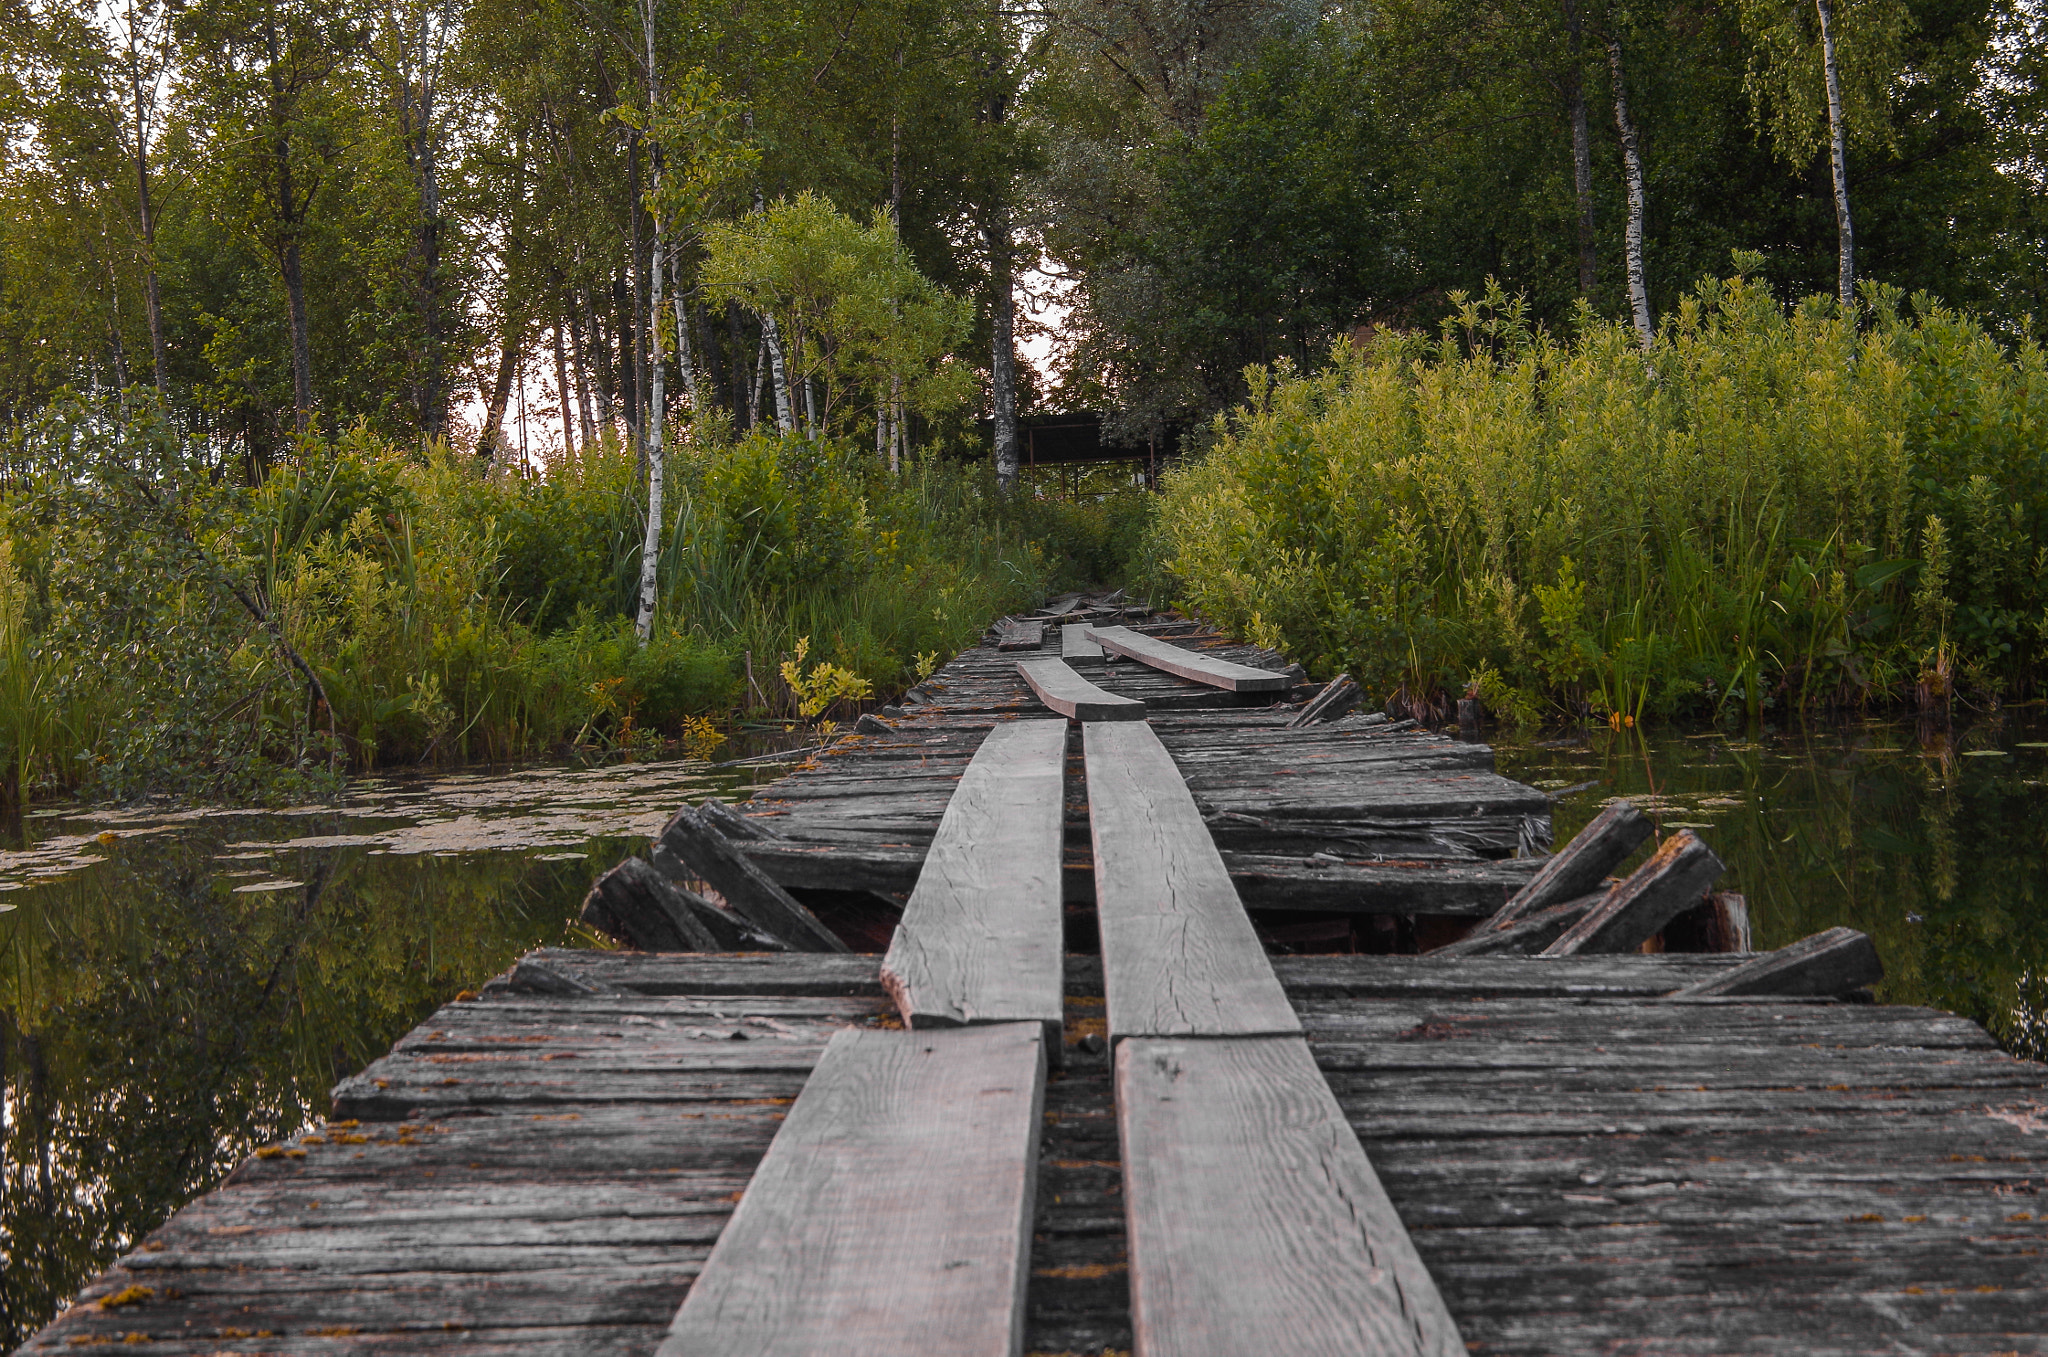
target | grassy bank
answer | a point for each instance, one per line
(1776, 507)
(167, 628)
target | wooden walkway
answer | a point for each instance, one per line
(1180, 1145)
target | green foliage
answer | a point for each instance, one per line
(165, 631)
(854, 312)
(1775, 507)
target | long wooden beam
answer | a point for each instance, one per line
(1189, 664)
(1257, 1224)
(981, 939)
(892, 1214)
(1179, 955)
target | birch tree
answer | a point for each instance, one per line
(1632, 172)
(1824, 76)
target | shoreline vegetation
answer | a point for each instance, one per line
(171, 631)
(1773, 508)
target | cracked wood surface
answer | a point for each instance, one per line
(1179, 955)
(893, 1212)
(981, 938)
(1257, 1225)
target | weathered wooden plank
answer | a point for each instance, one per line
(1524, 935)
(1834, 961)
(1076, 647)
(1066, 692)
(1189, 664)
(1675, 877)
(636, 905)
(750, 892)
(1581, 866)
(1179, 955)
(1257, 1225)
(1022, 634)
(892, 1214)
(982, 938)
(1338, 697)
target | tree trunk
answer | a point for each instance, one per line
(562, 394)
(597, 359)
(291, 224)
(743, 410)
(582, 364)
(488, 442)
(1838, 144)
(1002, 368)
(655, 422)
(686, 358)
(778, 372)
(302, 347)
(623, 354)
(1582, 157)
(1632, 168)
(152, 298)
(1003, 360)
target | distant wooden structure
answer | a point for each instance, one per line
(812, 1151)
(1074, 441)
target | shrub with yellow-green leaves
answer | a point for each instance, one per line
(1773, 505)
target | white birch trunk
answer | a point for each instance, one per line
(1845, 233)
(778, 374)
(650, 547)
(1632, 169)
(685, 357)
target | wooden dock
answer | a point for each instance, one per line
(1168, 1138)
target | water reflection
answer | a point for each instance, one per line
(179, 987)
(1931, 841)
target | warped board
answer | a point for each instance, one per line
(1066, 692)
(893, 1212)
(1256, 1223)
(1189, 664)
(1178, 952)
(981, 939)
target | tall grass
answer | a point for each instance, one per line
(1775, 506)
(367, 604)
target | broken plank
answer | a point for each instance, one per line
(1256, 1222)
(981, 939)
(1675, 877)
(1021, 635)
(893, 1211)
(1580, 866)
(1524, 936)
(746, 888)
(1189, 664)
(1179, 955)
(1066, 692)
(1835, 961)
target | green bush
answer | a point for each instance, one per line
(1775, 505)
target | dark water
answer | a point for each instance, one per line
(191, 987)
(179, 988)
(1934, 842)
